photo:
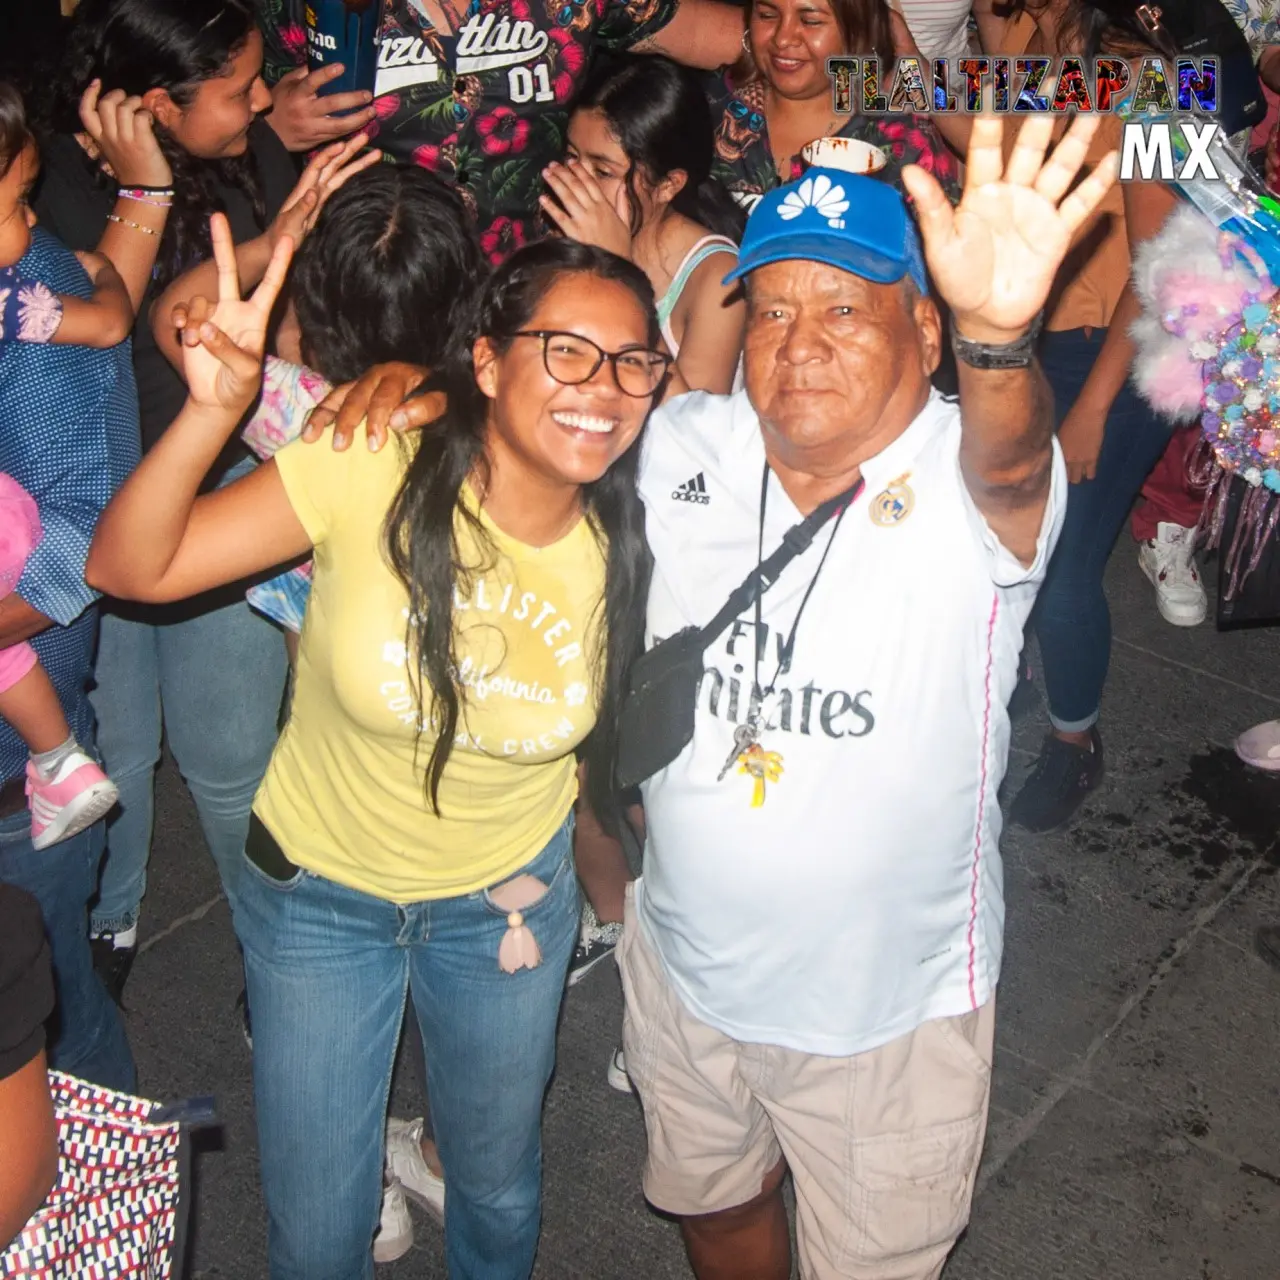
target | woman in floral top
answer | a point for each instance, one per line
(778, 96)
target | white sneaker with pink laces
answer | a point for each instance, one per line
(75, 797)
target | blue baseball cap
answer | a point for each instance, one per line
(845, 220)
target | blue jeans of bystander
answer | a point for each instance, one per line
(1071, 619)
(215, 681)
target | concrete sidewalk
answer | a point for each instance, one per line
(1135, 1125)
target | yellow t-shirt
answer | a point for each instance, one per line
(344, 793)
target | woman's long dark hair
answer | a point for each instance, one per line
(422, 536)
(659, 114)
(1086, 29)
(390, 272)
(137, 45)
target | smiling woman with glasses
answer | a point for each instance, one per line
(478, 596)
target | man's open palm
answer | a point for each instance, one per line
(993, 258)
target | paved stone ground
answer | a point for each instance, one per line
(1135, 1128)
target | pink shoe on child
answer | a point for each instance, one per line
(77, 795)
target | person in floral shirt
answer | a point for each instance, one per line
(778, 97)
(480, 93)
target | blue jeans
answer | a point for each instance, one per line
(87, 1036)
(1071, 619)
(215, 681)
(328, 970)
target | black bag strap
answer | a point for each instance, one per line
(795, 542)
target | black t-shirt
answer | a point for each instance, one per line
(26, 980)
(73, 203)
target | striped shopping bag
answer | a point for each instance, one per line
(118, 1210)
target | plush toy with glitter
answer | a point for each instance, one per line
(1193, 286)
(1208, 347)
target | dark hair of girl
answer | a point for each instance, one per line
(138, 45)
(14, 134)
(1111, 26)
(864, 28)
(390, 272)
(422, 537)
(659, 114)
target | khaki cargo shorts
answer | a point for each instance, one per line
(883, 1147)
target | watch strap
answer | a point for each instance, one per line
(1004, 355)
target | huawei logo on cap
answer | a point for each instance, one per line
(820, 194)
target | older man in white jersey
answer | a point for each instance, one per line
(811, 956)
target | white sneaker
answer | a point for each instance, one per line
(395, 1228)
(617, 1073)
(1168, 560)
(406, 1165)
(1260, 746)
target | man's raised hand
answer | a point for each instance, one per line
(993, 258)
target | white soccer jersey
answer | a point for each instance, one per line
(864, 895)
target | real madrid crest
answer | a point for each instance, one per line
(894, 503)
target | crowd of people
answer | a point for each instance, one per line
(378, 449)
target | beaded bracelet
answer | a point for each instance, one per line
(137, 226)
(159, 196)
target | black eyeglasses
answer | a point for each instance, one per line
(572, 359)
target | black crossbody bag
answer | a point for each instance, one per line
(1203, 28)
(657, 717)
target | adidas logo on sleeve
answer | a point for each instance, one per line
(694, 490)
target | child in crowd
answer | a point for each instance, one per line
(638, 182)
(305, 369)
(66, 790)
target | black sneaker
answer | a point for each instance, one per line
(596, 942)
(1063, 776)
(112, 964)
(1268, 940)
(242, 1007)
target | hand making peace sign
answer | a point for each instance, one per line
(222, 342)
(993, 258)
